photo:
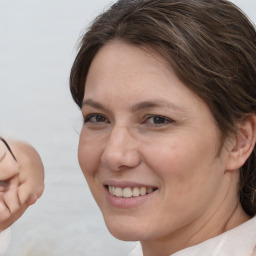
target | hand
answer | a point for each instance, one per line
(21, 182)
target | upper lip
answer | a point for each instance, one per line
(125, 184)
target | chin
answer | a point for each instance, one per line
(125, 235)
(125, 231)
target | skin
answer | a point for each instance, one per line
(123, 141)
(22, 182)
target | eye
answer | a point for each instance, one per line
(95, 118)
(157, 120)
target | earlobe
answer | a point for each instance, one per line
(244, 143)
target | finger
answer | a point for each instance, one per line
(31, 174)
(4, 186)
(31, 188)
(8, 165)
(9, 193)
(3, 150)
(7, 218)
(4, 216)
(8, 147)
(26, 194)
(12, 201)
(13, 182)
(10, 207)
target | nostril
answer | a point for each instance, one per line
(120, 160)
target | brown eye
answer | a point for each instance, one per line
(158, 120)
(95, 118)
(99, 118)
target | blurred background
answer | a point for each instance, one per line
(37, 47)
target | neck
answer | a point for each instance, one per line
(188, 237)
(228, 215)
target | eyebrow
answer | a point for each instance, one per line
(94, 104)
(156, 104)
(139, 106)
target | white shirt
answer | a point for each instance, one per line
(5, 237)
(240, 241)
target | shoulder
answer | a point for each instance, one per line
(239, 241)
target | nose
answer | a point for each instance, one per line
(121, 150)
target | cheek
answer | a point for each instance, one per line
(183, 163)
(88, 155)
(188, 181)
(89, 160)
(167, 157)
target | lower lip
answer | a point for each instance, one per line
(123, 202)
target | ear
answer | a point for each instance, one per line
(244, 143)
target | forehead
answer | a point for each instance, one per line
(129, 74)
(125, 65)
(119, 59)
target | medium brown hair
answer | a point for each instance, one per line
(210, 44)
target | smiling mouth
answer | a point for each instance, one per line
(129, 192)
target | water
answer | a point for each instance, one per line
(37, 48)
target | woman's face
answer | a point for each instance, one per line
(148, 146)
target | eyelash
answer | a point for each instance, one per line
(88, 118)
(162, 120)
(165, 120)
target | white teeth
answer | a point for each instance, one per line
(111, 190)
(118, 192)
(129, 192)
(136, 192)
(143, 191)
